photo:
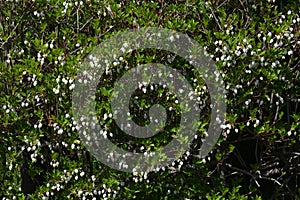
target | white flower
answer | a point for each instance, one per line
(40, 125)
(60, 131)
(269, 34)
(247, 103)
(105, 116)
(65, 81)
(82, 174)
(71, 87)
(256, 123)
(55, 90)
(171, 38)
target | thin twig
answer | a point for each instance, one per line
(243, 171)
(86, 23)
(11, 32)
(77, 17)
(219, 6)
(215, 18)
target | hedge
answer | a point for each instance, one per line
(255, 46)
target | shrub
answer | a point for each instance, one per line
(255, 45)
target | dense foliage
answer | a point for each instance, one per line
(255, 46)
